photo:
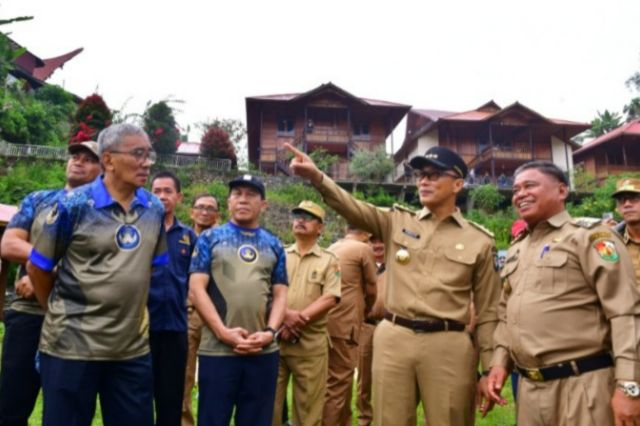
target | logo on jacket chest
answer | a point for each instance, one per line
(127, 237)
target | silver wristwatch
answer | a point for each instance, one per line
(631, 389)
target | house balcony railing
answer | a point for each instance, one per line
(506, 153)
(324, 135)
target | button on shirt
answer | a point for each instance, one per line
(170, 283)
(98, 307)
(569, 292)
(447, 261)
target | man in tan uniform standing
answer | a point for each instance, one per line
(365, 345)
(314, 288)
(569, 313)
(204, 215)
(358, 269)
(627, 198)
(435, 260)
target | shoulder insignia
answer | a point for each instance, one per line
(606, 249)
(398, 207)
(601, 235)
(481, 228)
(585, 222)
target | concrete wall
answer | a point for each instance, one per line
(562, 155)
(425, 142)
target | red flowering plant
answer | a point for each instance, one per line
(216, 144)
(160, 124)
(90, 118)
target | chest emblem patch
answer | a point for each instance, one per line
(127, 237)
(607, 250)
(248, 253)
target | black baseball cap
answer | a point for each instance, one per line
(441, 158)
(249, 180)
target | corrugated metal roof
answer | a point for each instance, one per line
(631, 128)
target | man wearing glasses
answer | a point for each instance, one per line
(627, 198)
(313, 290)
(204, 215)
(436, 261)
(103, 239)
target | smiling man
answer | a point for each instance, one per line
(569, 313)
(238, 285)
(103, 239)
(436, 263)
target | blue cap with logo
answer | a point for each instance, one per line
(251, 181)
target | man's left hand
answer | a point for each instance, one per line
(255, 342)
(626, 411)
(483, 399)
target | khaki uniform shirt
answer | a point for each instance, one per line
(310, 276)
(634, 251)
(358, 270)
(568, 292)
(447, 261)
(377, 311)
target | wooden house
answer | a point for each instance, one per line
(492, 140)
(612, 153)
(326, 117)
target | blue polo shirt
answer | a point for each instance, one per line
(104, 255)
(170, 283)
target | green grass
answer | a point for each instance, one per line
(500, 416)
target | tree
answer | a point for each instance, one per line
(371, 165)
(486, 198)
(160, 124)
(237, 132)
(91, 117)
(323, 159)
(604, 123)
(216, 144)
(632, 109)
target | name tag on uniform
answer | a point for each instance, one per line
(411, 234)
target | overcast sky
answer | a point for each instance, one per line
(564, 59)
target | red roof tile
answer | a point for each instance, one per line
(52, 64)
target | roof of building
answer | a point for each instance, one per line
(191, 148)
(631, 128)
(52, 64)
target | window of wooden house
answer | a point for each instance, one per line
(286, 126)
(361, 131)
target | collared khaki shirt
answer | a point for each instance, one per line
(634, 251)
(358, 272)
(432, 267)
(569, 292)
(310, 276)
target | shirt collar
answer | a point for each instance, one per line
(456, 216)
(315, 250)
(559, 219)
(102, 198)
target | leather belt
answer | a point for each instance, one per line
(567, 368)
(371, 321)
(425, 326)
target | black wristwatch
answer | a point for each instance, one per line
(273, 331)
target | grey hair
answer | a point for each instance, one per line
(113, 135)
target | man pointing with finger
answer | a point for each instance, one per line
(238, 285)
(435, 261)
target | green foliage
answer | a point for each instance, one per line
(24, 177)
(371, 165)
(376, 196)
(323, 159)
(487, 198)
(604, 123)
(160, 124)
(499, 223)
(583, 180)
(632, 109)
(601, 200)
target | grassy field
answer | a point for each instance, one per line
(500, 416)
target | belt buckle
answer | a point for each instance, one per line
(534, 374)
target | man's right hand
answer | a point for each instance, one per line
(24, 288)
(495, 382)
(294, 319)
(234, 336)
(303, 166)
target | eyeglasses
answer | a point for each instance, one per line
(207, 209)
(140, 154)
(305, 217)
(629, 196)
(433, 175)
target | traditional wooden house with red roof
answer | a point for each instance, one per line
(612, 153)
(326, 117)
(35, 71)
(492, 140)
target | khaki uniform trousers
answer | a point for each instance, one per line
(343, 359)
(309, 387)
(438, 369)
(365, 360)
(583, 400)
(194, 336)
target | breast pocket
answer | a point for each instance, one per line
(457, 266)
(551, 273)
(407, 249)
(315, 286)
